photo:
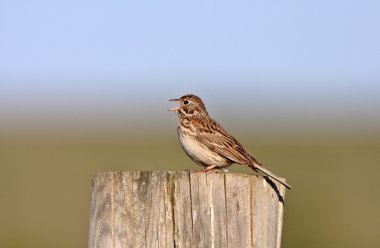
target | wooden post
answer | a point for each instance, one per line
(185, 209)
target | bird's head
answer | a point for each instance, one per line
(189, 105)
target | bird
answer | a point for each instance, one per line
(207, 143)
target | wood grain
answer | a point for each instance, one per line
(185, 209)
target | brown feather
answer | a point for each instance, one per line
(208, 143)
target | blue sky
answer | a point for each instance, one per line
(126, 38)
(67, 55)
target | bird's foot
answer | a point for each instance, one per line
(209, 168)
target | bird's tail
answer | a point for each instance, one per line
(259, 167)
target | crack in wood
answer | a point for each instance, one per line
(185, 209)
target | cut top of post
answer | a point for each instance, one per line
(185, 209)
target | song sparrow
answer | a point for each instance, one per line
(207, 143)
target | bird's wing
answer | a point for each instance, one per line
(214, 137)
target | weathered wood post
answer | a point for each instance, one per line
(185, 209)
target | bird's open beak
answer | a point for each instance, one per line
(176, 108)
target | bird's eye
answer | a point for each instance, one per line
(186, 102)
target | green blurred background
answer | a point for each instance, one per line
(45, 183)
(84, 88)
